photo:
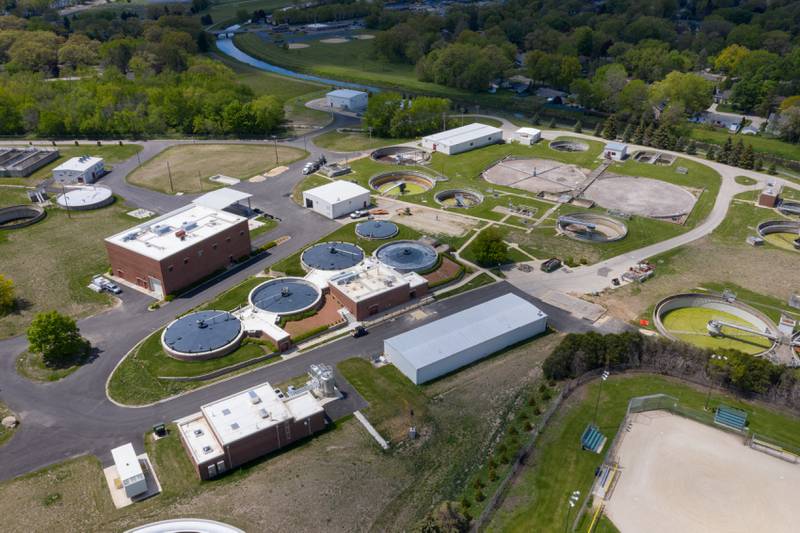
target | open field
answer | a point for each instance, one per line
(340, 478)
(536, 501)
(353, 141)
(52, 261)
(112, 153)
(689, 324)
(191, 165)
(680, 475)
(478, 281)
(223, 12)
(301, 118)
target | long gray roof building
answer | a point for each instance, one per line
(437, 348)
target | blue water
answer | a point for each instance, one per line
(227, 47)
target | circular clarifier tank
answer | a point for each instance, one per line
(332, 256)
(377, 229)
(589, 227)
(461, 198)
(407, 256)
(202, 335)
(85, 198)
(285, 296)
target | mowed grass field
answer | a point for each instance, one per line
(689, 324)
(52, 261)
(112, 153)
(353, 141)
(192, 164)
(537, 500)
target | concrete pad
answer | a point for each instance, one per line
(575, 306)
(118, 495)
(535, 175)
(140, 213)
(226, 180)
(257, 179)
(641, 196)
(276, 171)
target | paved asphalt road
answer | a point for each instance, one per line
(73, 416)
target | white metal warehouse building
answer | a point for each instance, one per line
(336, 199)
(463, 139)
(84, 169)
(347, 99)
(447, 344)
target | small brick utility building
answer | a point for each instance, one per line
(177, 249)
(242, 427)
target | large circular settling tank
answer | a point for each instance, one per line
(400, 155)
(589, 227)
(332, 256)
(19, 216)
(400, 183)
(202, 335)
(377, 229)
(781, 233)
(458, 198)
(285, 296)
(407, 256)
(85, 198)
(711, 322)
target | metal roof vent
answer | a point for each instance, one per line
(263, 413)
(207, 449)
(254, 398)
(198, 432)
(235, 426)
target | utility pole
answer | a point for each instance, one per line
(200, 180)
(603, 378)
(275, 140)
(169, 173)
(138, 159)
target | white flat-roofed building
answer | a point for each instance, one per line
(347, 99)
(129, 470)
(177, 249)
(239, 428)
(616, 151)
(463, 139)
(83, 169)
(336, 199)
(447, 344)
(527, 136)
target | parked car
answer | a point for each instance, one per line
(95, 287)
(105, 284)
(359, 331)
(359, 213)
(551, 265)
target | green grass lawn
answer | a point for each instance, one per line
(744, 180)
(223, 12)
(353, 141)
(291, 266)
(742, 219)
(302, 117)
(536, 502)
(234, 297)
(764, 145)
(478, 281)
(136, 380)
(52, 261)
(309, 182)
(112, 153)
(269, 225)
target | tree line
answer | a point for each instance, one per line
(391, 115)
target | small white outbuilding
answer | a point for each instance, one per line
(84, 169)
(129, 470)
(447, 344)
(527, 136)
(616, 151)
(347, 99)
(463, 139)
(336, 199)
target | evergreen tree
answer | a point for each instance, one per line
(711, 153)
(649, 133)
(578, 128)
(726, 152)
(638, 135)
(771, 169)
(679, 145)
(628, 133)
(598, 129)
(737, 154)
(536, 119)
(552, 125)
(610, 128)
(758, 164)
(748, 158)
(691, 149)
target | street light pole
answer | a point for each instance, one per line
(169, 173)
(714, 357)
(603, 378)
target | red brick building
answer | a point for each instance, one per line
(238, 429)
(178, 249)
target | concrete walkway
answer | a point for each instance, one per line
(371, 430)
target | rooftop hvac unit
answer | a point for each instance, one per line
(180, 234)
(130, 236)
(198, 432)
(263, 413)
(254, 397)
(160, 229)
(207, 449)
(189, 225)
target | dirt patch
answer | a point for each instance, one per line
(334, 40)
(364, 36)
(446, 270)
(276, 171)
(427, 220)
(328, 315)
(297, 46)
(679, 475)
